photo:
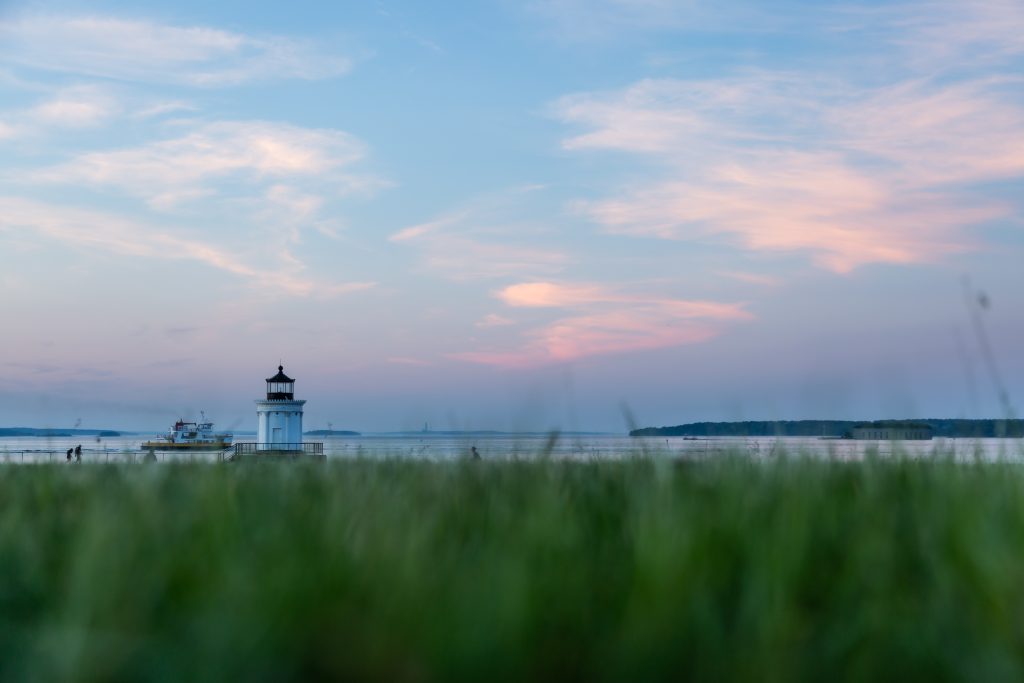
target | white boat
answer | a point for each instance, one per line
(190, 436)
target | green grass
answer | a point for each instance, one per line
(643, 569)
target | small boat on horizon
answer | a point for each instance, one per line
(194, 436)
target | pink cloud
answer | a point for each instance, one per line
(601, 320)
(962, 133)
(775, 163)
(751, 278)
(549, 294)
(544, 294)
(843, 220)
(494, 320)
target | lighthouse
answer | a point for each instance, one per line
(279, 415)
(279, 426)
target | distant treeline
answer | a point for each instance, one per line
(489, 432)
(32, 431)
(837, 428)
(332, 432)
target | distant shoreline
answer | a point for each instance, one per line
(491, 432)
(941, 427)
(59, 432)
(32, 431)
(332, 432)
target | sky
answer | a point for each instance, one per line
(511, 215)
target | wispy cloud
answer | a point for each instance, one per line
(169, 171)
(842, 218)
(938, 133)
(69, 109)
(494, 320)
(277, 180)
(164, 107)
(119, 235)
(485, 239)
(600, 320)
(942, 33)
(146, 51)
(295, 208)
(76, 107)
(773, 161)
(751, 278)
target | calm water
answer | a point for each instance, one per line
(127, 448)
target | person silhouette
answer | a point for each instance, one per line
(78, 453)
(70, 450)
(474, 453)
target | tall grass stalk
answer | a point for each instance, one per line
(729, 569)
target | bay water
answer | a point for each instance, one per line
(127, 448)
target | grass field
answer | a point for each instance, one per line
(640, 569)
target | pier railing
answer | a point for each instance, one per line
(240, 450)
(38, 456)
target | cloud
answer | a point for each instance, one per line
(776, 162)
(486, 239)
(115, 234)
(842, 218)
(751, 278)
(548, 294)
(494, 320)
(75, 107)
(942, 33)
(555, 295)
(150, 52)
(291, 207)
(170, 171)
(937, 133)
(272, 183)
(657, 116)
(926, 33)
(601, 320)
(83, 106)
(164, 107)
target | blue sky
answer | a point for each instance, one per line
(509, 215)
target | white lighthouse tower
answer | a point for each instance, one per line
(279, 416)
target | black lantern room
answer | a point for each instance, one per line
(280, 387)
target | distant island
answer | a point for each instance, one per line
(32, 431)
(332, 432)
(941, 427)
(489, 432)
